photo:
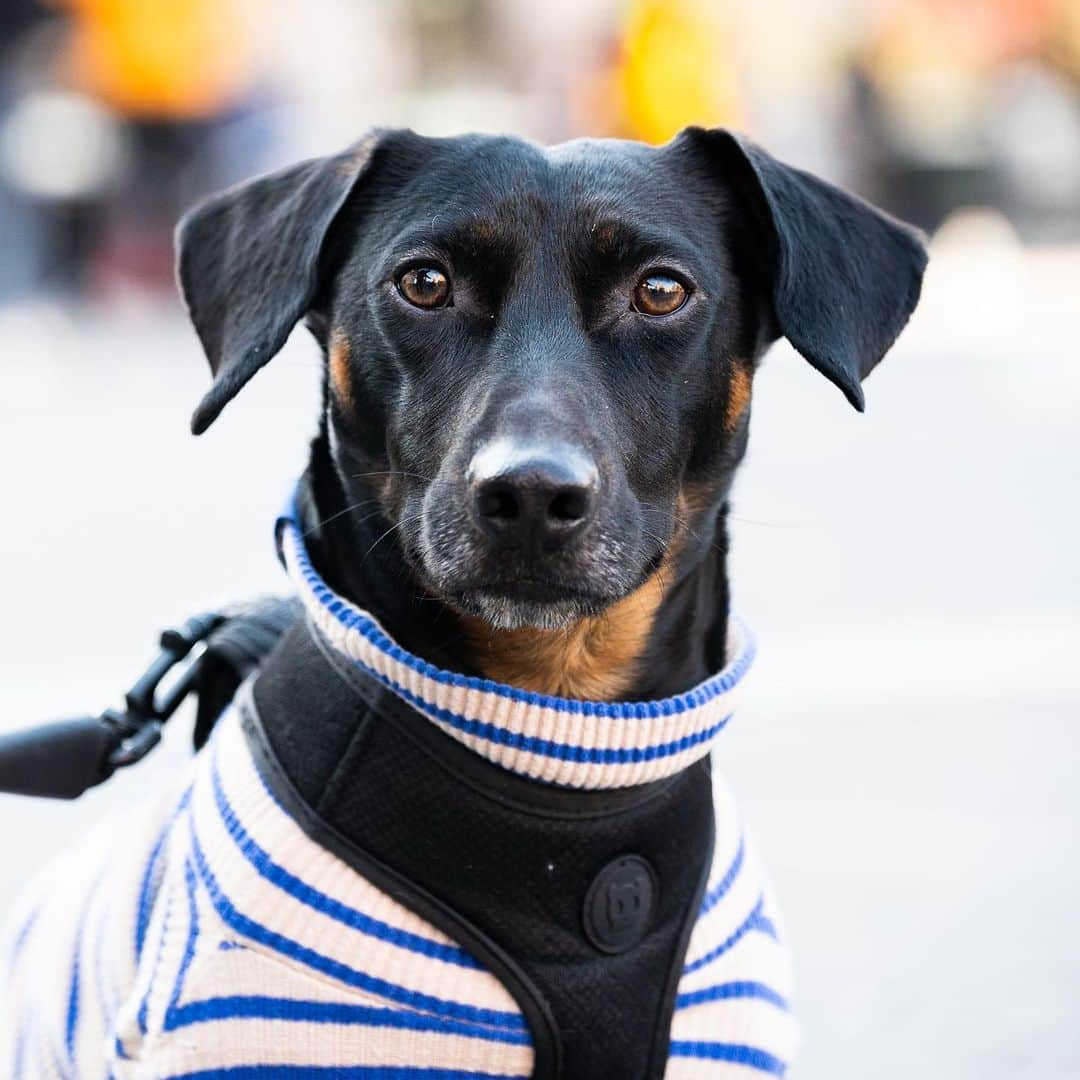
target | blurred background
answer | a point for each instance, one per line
(907, 751)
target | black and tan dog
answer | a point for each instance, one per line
(539, 373)
(540, 367)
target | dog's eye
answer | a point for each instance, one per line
(425, 287)
(658, 294)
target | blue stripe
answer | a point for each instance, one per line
(319, 901)
(20, 1054)
(22, 935)
(720, 889)
(339, 1072)
(47, 1052)
(354, 619)
(144, 1005)
(40, 1056)
(766, 926)
(731, 991)
(323, 1012)
(71, 1023)
(189, 944)
(545, 747)
(72, 1019)
(754, 921)
(147, 888)
(342, 972)
(735, 1053)
(146, 892)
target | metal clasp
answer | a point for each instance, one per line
(139, 726)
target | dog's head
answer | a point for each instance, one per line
(541, 359)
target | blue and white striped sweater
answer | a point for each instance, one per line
(214, 938)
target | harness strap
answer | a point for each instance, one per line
(580, 902)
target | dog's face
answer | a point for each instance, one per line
(549, 339)
(540, 360)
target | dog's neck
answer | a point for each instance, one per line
(660, 640)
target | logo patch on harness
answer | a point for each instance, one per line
(620, 903)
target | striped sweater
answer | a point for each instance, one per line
(210, 936)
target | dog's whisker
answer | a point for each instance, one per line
(658, 540)
(393, 528)
(683, 523)
(341, 513)
(393, 472)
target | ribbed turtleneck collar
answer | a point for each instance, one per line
(565, 741)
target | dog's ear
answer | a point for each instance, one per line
(248, 263)
(843, 276)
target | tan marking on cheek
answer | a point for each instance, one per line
(738, 397)
(378, 476)
(340, 373)
(693, 500)
(684, 510)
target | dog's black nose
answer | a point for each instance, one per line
(541, 494)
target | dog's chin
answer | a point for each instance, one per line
(511, 593)
(503, 612)
(527, 605)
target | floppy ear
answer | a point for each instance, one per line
(248, 263)
(844, 276)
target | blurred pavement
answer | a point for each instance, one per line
(907, 749)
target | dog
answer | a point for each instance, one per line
(462, 824)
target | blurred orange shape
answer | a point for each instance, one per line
(678, 67)
(165, 59)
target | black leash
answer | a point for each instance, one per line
(209, 655)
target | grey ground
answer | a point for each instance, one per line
(907, 749)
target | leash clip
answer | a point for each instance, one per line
(139, 727)
(63, 759)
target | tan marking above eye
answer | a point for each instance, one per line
(658, 294)
(340, 375)
(425, 287)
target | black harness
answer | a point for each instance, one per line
(580, 902)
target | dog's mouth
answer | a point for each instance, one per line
(510, 594)
(555, 597)
(528, 601)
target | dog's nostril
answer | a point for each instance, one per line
(532, 495)
(498, 502)
(571, 504)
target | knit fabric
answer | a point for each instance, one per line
(580, 744)
(211, 937)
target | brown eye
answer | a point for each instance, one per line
(658, 294)
(425, 287)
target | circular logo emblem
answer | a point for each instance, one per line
(620, 903)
